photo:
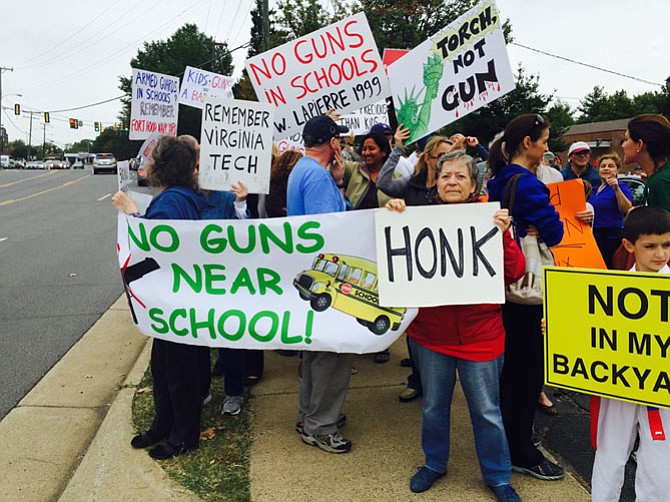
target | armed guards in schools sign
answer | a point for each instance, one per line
(608, 334)
(335, 67)
(295, 283)
(154, 106)
(462, 68)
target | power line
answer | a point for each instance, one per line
(586, 64)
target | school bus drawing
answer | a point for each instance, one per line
(348, 284)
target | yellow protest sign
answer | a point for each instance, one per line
(608, 333)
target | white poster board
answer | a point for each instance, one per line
(147, 148)
(361, 121)
(447, 254)
(154, 105)
(123, 175)
(236, 144)
(197, 84)
(298, 283)
(293, 142)
(335, 67)
(458, 70)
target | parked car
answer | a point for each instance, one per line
(35, 164)
(142, 174)
(104, 162)
(636, 186)
(78, 164)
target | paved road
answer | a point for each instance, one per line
(58, 269)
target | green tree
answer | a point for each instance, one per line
(83, 145)
(593, 106)
(116, 142)
(560, 117)
(186, 47)
(18, 149)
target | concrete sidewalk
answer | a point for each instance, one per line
(69, 438)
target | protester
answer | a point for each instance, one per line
(461, 142)
(579, 165)
(325, 375)
(349, 153)
(611, 201)
(646, 234)
(275, 202)
(467, 338)
(519, 151)
(405, 166)
(174, 366)
(647, 143)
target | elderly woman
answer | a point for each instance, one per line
(175, 367)
(611, 201)
(467, 338)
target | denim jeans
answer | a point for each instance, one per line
(480, 382)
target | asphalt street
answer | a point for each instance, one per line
(59, 271)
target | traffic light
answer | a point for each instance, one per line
(17, 109)
(97, 126)
(74, 124)
(46, 117)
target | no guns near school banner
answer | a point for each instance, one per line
(154, 105)
(295, 283)
(458, 70)
(608, 334)
(335, 67)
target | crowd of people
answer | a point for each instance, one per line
(497, 350)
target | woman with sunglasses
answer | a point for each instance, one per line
(519, 151)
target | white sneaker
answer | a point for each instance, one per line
(232, 405)
(332, 443)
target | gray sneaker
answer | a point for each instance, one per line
(231, 405)
(332, 443)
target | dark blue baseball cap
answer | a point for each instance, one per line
(318, 130)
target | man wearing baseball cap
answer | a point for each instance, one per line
(579, 165)
(325, 375)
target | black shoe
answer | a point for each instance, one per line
(144, 439)
(546, 470)
(165, 451)
(424, 479)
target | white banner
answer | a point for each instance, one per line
(236, 144)
(335, 67)
(123, 175)
(361, 121)
(448, 254)
(292, 142)
(297, 283)
(154, 106)
(460, 69)
(197, 84)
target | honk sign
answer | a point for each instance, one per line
(607, 334)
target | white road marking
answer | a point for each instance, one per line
(103, 198)
(3, 239)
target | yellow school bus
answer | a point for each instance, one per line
(348, 284)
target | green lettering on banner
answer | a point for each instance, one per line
(179, 273)
(209, 324)
(268, 280)
(285, 337)
(267, 235)
(211, 275)
(171, 232)
(274, 318)
(143, 242)
(243, 280)
(251, 240)
(214, 245)
(303, 233)
(161, 327)
(173, 318)
(233, 337)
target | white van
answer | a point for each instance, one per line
(4, 161)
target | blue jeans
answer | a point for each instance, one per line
(480, 382)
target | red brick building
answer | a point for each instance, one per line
(602, 137)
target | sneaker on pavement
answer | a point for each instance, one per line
(341, 422)
(546, 470)
(231, 405)
(408, 394)
(505, 493)
(424, 479)
(332, 443)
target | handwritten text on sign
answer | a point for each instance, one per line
(462, 68)
(440, 255)
(300, 283)
(235, 144)
(154, 106)
(197, 84)
(335, 67)
(615, 342)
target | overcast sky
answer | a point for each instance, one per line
(69, 54)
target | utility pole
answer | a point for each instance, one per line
(30, 135)
(266, 25)
(2, 140)
(44, 140)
